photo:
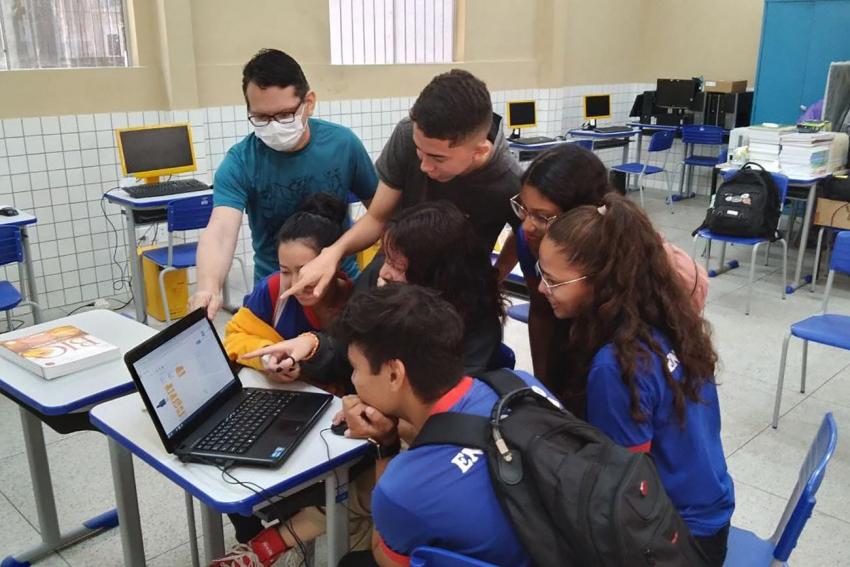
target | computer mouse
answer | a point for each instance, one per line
(339, 428)
(9, 212)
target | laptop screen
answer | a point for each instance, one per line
(184, 375)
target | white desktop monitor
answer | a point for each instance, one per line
(522, 114)
(597, 106)
(151, 151)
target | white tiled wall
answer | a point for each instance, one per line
(58, 168)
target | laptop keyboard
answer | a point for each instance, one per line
(238, 431)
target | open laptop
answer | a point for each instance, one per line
(200, 408)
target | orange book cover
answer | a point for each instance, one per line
(58, 351)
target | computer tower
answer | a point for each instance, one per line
(728, 111)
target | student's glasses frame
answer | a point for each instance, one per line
(551, 286)
(520, 210)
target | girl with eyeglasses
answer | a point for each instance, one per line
(559, 180)
(642, 355)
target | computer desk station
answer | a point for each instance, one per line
(148, 153)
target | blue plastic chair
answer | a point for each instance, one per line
(433, 557)
(782, 183)
(826, 329)
(816, 274)
(586, 144)
(746, 549)
(659, 143)
(11, 252)
(183, 214)
(504, 357)
(694, 135)
(519, 312)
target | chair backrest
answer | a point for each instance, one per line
(504, 357)
(802, 500)
(702, 134)
(189, 214)
(586, 144)
(433, 557)
(11, 249)
(662, 141)
(838, 262)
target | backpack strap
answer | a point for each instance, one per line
(454, 428)
(503, 381)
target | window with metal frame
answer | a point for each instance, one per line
(61, 34)
(384, 32)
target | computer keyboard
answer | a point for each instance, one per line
(166, 188)
(241, 428)
(532, 141)
(613, 129)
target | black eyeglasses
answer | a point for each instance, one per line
(520, 210)
(260, 120)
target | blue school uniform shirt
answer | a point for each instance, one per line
(294, 319)
(442, 495)
(270, 185)
(689, 460)
(527, 259)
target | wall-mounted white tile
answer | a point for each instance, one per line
(135, 119)
(89, 158)
(18, 165)
(88, 140)
(4, 166)
(15, 147)
(52, 143)
(38, 183)
(213, 114)
(68, 124)
(13, 128)
(23, 200)
(85, 123)
(32, 126)
(5, 184)
(102, 122)
(55, 161)
(151, 118)
(106, 139)
(119, 120)
(21, 183)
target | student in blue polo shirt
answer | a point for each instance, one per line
(639, 344)
(405, 347)
(268, 174)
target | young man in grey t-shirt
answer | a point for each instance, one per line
(451, 147)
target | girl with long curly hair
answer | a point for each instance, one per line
(640, 351)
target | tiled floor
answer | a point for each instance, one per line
(763, 462)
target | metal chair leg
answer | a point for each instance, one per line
(166, 310)
(9, 324)
(752, 278)
(781, 379)
(669, 183)
(817, 259)
(784, 266)
(805, 360)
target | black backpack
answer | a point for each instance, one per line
(746, 205)
(573, 496)
(837, 188)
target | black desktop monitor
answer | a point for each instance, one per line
(522, 114)
(675, 93)
(597, 106)
(637, 106)
(151, 151)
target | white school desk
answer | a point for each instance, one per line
(594, 135)
(131, 431)
(62, 397)
(22, 220)
(130, 204)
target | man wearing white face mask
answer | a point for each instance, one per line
(271, 171)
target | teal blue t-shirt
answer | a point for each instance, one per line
(269, 186)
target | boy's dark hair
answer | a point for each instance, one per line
(408, 323)
(569, 176)
(318, 222)
(453, 106)
(274, 68)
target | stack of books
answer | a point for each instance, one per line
(805, 156)
(765, 141)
